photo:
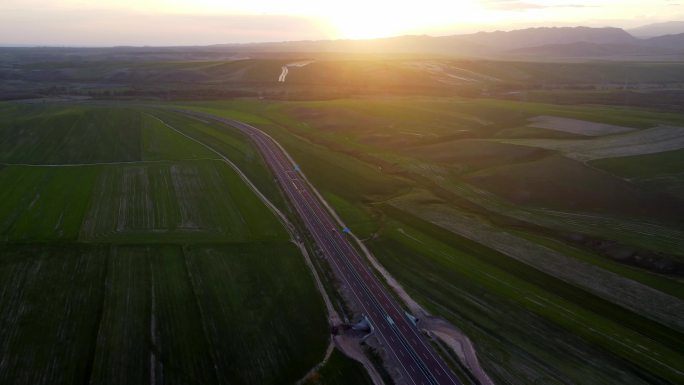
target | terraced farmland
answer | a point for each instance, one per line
(142, 258)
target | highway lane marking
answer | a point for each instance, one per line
(338, 243)
(355, 261)
(326, 245)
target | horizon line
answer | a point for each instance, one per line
(95, 46)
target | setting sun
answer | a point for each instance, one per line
(388, 18)
(107, 22)
(322, 192)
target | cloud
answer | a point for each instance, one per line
(513, 5)
(516, 5)
(118, 27)
(164, 22)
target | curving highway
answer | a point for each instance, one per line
(420, 363)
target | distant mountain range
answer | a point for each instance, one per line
(658, 29)
(553, 42)
(533, 44)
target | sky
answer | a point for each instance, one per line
(200, 22)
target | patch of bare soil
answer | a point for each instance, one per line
(351, 346)
(574, 126)
(633, 295)
(641, 142)
(459, 343)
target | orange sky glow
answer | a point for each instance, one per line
(171, 22)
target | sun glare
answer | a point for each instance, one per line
(365, 26)
(364, 20)
(357, 19)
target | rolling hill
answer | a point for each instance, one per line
(658, 29)
(580, 42)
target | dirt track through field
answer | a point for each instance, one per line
(633, 295)
(286, 69)
(574, 126)
(641, 142)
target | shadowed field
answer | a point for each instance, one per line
(131, 254)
